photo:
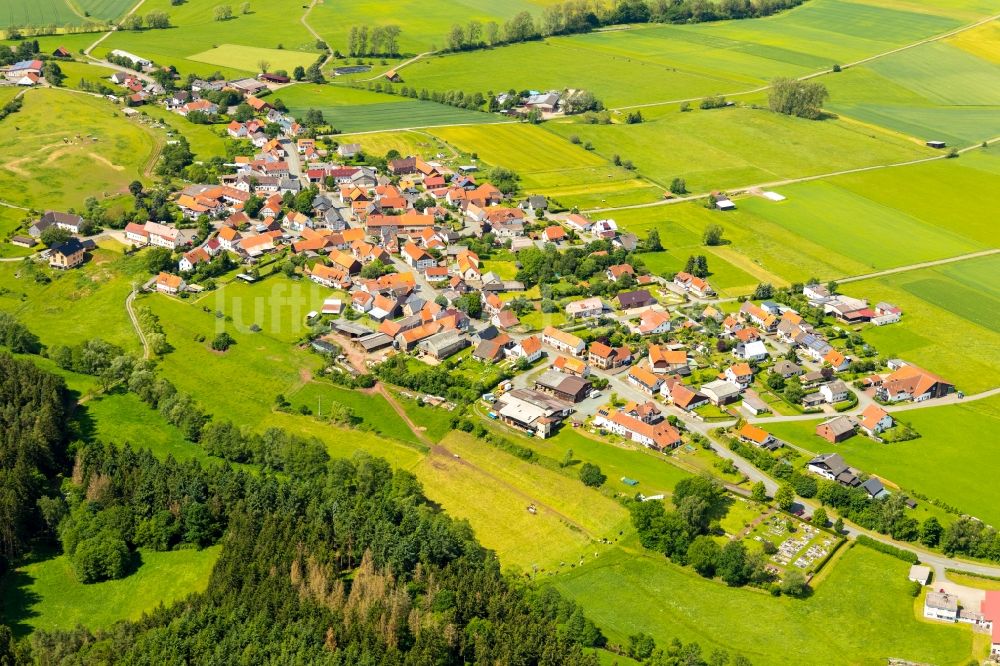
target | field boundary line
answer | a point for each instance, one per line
(823, 72)
(918, 266)
(319, 38)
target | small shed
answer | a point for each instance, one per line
(920, 574)
(937, 144)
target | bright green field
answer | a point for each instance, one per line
(59, 12)
(734, 147)
(46, 595)
(374, 410)
(550, 165)
(270, 24)
(354, 110)
(407, 142)
(205, 140)
(935, 91)
(939, 464)
(122, 418)
(248, 57)
(10, 222)
(55, 164)
(625, 591)
(654, 64)
(76, 305)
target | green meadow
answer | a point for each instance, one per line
(356, 110)
(938, 464)
(407, 142)
(627, 591)
(61, 159)
(206, 141)
(45, 595)
(271, 25)
(76, 305)
(59, 12)
(738, 147)
(550, 165)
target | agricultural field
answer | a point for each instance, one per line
(46, 595)
(550, 165)
(649, 64)
(739, 147)
(356, 110)
(938, 464)
(375, 412)
(85, 150)
(45, 13)
(406, 142)
(249, 58)
(935, 91)
(272, 25)
(626, 591)
(982, 42)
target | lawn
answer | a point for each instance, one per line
(272, 25)
(249, 57)
(939, 464)
(85, 150)
(357, 110)
(738, 147)
(549, 164)
(626, 592)
(46, 595)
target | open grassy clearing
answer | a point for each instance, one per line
(626, 592)
(939, 463)
(548, 164)
(82, 71)
(46, 594)
(949, 324)
(76, 305)
(356, 110)
(269, 25)
(11, 220)
(87, 149)
(205, 140)
(735, 147)
(435, 421)
(122, 418)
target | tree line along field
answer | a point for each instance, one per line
(51, 151)
(356, 110)
(627, 591)
(947, 462)
(738, 147)
(550, 165)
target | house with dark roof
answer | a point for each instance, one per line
(640, 298)
(837, 429)
(833, 467)
(69, 254)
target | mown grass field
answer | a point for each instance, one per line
(355, 110)
(407, 142)
(269, 25)
(626, 591)
(948, 462)
(376, 413)
(550, 165)
(46, 595)
(732, 147)
(206, 141)
(60, 159)
(248, 58)
(935, 91)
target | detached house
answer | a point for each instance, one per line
(836, 430)
(874, 420)
(585, 308)
(644, 380)
(564, 342)
(606, 358)
(615, 272)
(661, 436)
(912, 383)
(69, 254)
(169, 284)
(740, 374)
(759, 437)
(417, 257)
(651, 322)
(668, 361)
